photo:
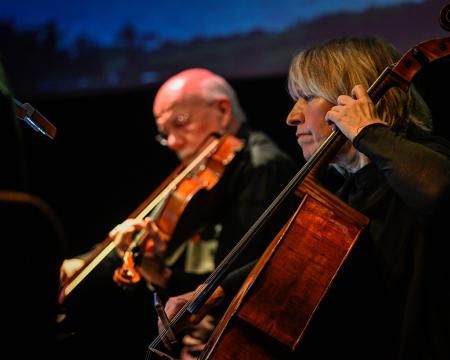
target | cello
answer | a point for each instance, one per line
(260, 324)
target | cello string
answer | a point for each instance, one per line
(216, 275)
(201, 292)
(212, 281)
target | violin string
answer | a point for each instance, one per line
(71, 284)
(188, 169)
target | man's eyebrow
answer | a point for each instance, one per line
(158, 116)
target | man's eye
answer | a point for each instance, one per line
(180, 121)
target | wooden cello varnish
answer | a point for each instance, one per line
(269, 315)
(271, 312)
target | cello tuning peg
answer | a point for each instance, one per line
(444, 17)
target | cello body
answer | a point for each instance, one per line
(270, 313)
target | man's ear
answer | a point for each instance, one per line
(224, 106)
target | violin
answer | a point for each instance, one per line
(208, 167)
(304, 257)
(189, 187)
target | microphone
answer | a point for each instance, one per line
(37, 121)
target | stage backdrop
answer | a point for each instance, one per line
(52, 47)
(92, 68)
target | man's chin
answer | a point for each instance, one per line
(183, 155)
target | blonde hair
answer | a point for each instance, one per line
(335, 67)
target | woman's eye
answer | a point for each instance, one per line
(307, 97)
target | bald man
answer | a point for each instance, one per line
(193, 104)
(187, 108)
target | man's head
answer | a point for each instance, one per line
(193, 104)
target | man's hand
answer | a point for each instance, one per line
(69, 267)
(154, 246)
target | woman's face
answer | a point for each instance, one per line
(308, 116)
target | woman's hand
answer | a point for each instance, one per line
(175, 304)
(352, 114)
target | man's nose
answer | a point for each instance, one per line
(174, 141)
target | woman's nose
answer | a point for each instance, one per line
(296, 116)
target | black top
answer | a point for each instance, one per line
(390, 299)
